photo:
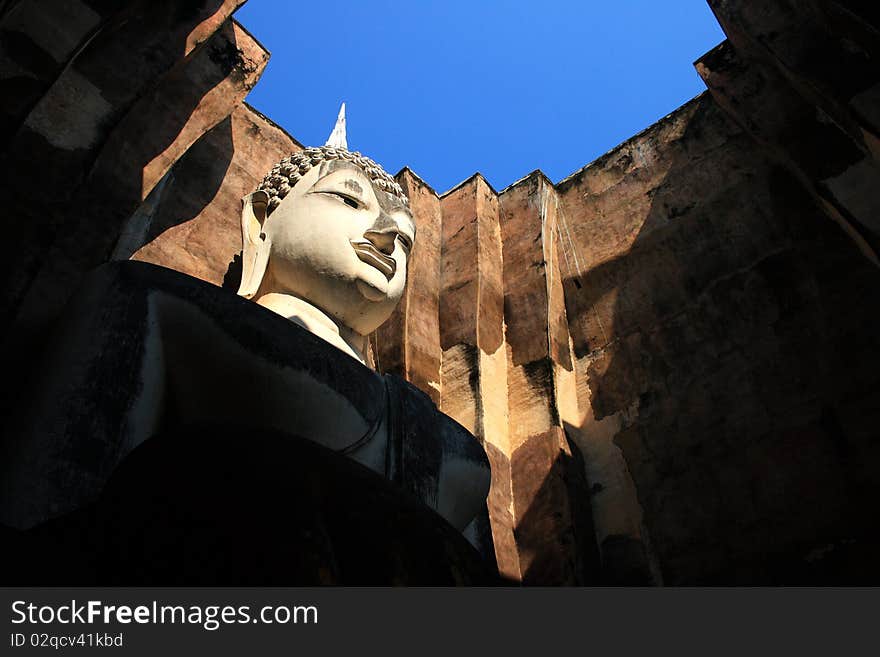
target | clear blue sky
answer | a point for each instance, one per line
(452, 87)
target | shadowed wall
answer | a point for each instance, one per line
(670, 356)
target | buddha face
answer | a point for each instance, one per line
(339, 243)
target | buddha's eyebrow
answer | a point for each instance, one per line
(354, 186)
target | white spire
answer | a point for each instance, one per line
(337, 137)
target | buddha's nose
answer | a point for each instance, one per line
(383, 233)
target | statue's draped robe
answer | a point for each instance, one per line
(144, 350)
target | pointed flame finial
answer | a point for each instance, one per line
(337, 137)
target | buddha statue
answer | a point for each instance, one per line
(325, 242)
(143, 351)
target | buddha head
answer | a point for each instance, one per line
(328, 227)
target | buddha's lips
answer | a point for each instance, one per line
(374, 257)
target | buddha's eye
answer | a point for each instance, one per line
(345, 198)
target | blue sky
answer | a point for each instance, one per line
(453, 87)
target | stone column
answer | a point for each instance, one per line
(554, 535)
(195, 227)
(474, 367)
(408, 344)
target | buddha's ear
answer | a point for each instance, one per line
(254, 243)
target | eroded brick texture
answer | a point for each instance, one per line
(670, 356)
(709, 324)
(409, 343)
(111, 95)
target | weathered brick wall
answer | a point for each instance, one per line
(409, 343)
(724, 369)
(670, 356)
(99, 100)
(193, 221)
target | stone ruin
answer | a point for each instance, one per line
(670, 356)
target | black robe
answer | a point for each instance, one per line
(87, 420)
